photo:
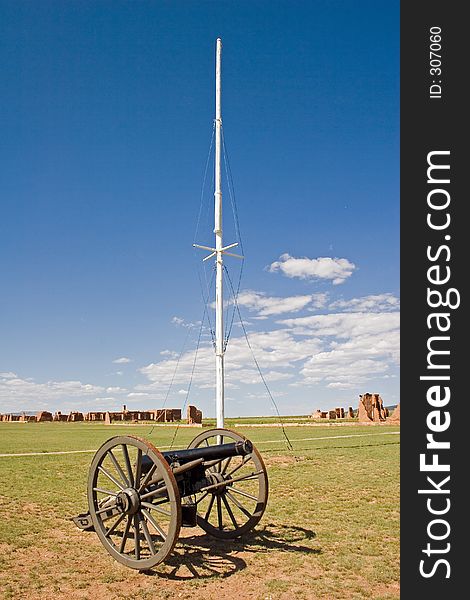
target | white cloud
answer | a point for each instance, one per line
(267, 306)
(373, 303)
(115, 390)
(335, 269)
(137, 394)
(356, 347)
(122, 361)
(170, 353)
(9, 375)
(278, 353)
(340, 386)
(319, 300)
(344, 325)
(179, 322)
(340, 350)
(17, 393)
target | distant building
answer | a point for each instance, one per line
(24, 418)
(337, 413)
(43, 415)
(371, 408)
(160, 415)
(94, 416)
(194, 415)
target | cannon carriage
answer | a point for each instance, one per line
(138, 497)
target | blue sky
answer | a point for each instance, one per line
(106, 122)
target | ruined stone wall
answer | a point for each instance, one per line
(371, 408)
(194, 415)
(43, 415)
(337, 413)
(58, 416)
(75, 416)
(395, 417)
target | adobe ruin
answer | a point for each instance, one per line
(395, 416)
(371, 409)
(194, 415)
(160, 415)
(336, 413)
(43, 415)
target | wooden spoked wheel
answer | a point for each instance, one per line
(134, 502)
(238, 499)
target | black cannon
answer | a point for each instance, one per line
(138, 497)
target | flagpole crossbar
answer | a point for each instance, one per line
(219, 252)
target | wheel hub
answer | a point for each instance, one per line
(128, 501)
(217, 478)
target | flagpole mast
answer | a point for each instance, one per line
(219, 302)
(219, 250)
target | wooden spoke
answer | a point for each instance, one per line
(105, 508)
(128, 464)
(198, 500)
(242, 464)
(138, 468)
(230, 512)
(156, 492)
(156, 508)
(136, 538)
(119, 469)
(114, 525)
(125, 535)
(147, 478)
(102, 491)
(219, 513)
(211, 502)
(238, 504)
(242, 493)
(147, 535)
(151, 520)
(110, 477)
(226, 465)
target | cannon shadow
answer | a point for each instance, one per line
(204, 557)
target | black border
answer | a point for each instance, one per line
(427, 125)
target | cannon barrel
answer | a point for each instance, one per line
(216, 452)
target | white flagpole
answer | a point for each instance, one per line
(219, 302)
(219, 249)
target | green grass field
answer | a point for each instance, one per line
(331, 529)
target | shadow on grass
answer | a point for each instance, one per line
(204, 557)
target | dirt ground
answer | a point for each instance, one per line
(73, 564)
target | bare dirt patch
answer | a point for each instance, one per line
(73, 564)
(280, 461)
